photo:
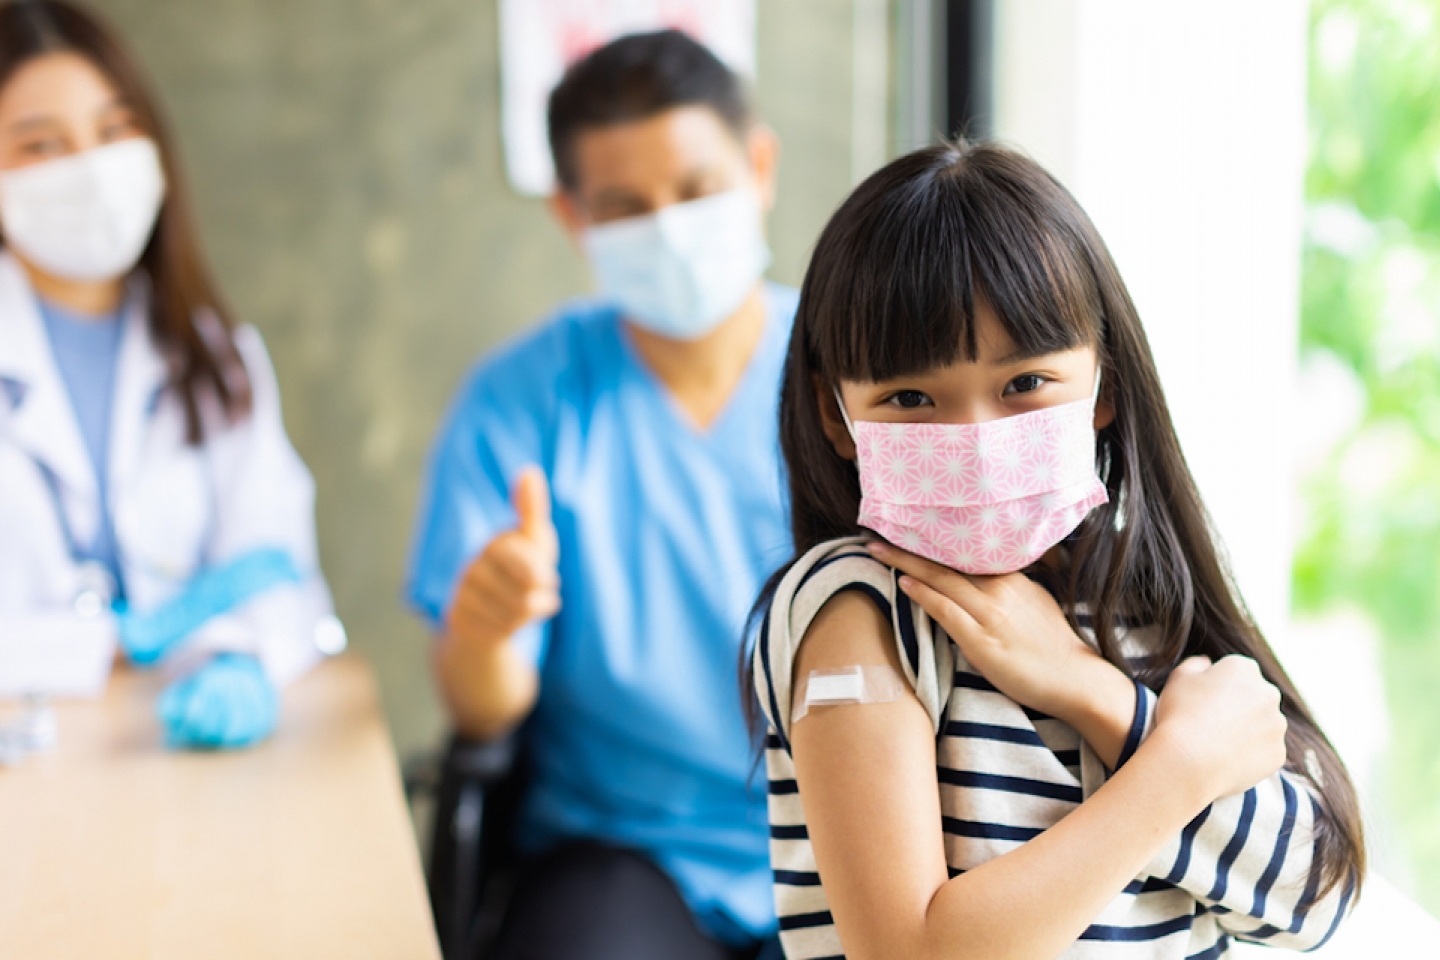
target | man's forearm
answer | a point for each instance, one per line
(487, 685)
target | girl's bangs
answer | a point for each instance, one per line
(896, 293)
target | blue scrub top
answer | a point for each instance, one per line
(666, 535)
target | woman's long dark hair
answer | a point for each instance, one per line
(200, 352)
(891, 291)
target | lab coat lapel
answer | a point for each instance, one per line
(41, 419)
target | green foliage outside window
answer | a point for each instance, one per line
(1371, 332)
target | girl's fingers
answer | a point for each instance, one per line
(925, 570)
(954, 585)
(1191, 665)
(913, 564)
(956, 620)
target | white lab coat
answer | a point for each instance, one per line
(176, 508)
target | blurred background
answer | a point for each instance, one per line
(1267, 175)
(350, 179)
(1368, 558)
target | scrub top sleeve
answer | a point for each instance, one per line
(465, 498)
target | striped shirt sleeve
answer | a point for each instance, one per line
(1249, 860)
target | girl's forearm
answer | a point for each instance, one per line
(1036, 900)
(1103, 710)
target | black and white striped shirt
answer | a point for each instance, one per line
(1243, 868)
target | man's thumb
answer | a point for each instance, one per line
(531, 497)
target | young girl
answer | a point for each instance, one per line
(147, 488)
(970, 761)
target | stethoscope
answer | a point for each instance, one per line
(97, 590)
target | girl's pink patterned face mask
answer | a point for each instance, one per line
(981, 498)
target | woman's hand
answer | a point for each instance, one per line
(1008, 627)
(1224, 721)
(227, 704)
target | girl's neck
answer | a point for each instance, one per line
(1052, 570)
(96, 299)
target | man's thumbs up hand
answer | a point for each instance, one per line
(516, 579)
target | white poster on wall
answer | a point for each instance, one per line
(540, 38)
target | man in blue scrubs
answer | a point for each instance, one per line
(602, 506)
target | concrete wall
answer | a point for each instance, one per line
(346, 160)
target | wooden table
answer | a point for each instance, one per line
(114, 847)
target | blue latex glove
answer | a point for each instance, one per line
(146, 637)
(227, 703)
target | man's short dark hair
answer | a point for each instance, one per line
(635, 78)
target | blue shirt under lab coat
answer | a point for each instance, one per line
(87, 353)
(667, 533)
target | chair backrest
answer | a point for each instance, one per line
(472, 853)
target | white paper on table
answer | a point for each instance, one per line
(540, 38)
(59, 655)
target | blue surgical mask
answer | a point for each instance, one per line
(680, 271)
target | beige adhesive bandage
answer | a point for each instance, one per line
(842, 685)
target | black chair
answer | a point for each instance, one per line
(476, 787)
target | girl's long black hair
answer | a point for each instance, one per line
(891, 291)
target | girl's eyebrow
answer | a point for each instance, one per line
(1021, 354)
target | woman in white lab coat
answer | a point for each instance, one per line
(147, 488)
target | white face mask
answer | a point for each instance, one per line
(680, 271)
(85, 217)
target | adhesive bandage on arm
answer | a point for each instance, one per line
(837, 686)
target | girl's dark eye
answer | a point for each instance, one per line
(909, 399)
(1025, 383)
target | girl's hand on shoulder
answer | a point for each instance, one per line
(1010, 630)
(1224, 722)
